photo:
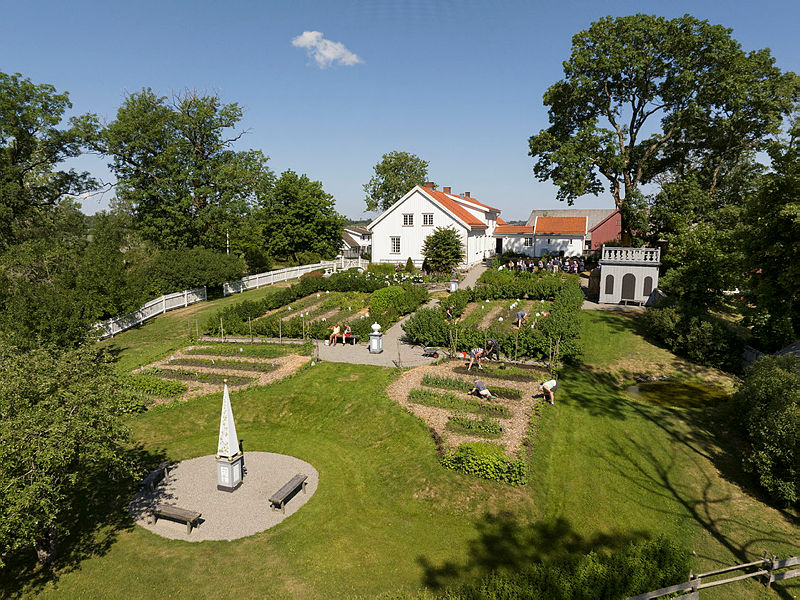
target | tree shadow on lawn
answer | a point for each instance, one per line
(694, 496)
(100, 515)
(594, 391)
(505, 543)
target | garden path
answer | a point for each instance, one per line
(396, 352)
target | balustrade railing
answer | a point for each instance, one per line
(631, 255)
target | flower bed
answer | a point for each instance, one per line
(484, 427)
(249, 350)
(451, 401)
(199, 377)
(235, 365)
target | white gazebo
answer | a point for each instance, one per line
(628, 274)
(230, 460)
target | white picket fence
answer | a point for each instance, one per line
(153, 308)
(256, 281)
(180, 299)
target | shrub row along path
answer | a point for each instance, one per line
(396, 351)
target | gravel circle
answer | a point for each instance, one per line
(192, 484)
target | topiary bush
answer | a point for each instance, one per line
(486, 461)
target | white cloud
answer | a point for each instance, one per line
(325, 52)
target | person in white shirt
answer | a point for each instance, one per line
(547, 389)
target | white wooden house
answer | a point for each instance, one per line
(554, 236)
(356, 241)
(399, 232)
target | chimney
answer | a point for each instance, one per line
(446, 190)
(430, 184)
(466, 194)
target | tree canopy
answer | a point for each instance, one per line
(300, 217)
(177, 170)
(31, 149)
(395, 175)
(644, 96)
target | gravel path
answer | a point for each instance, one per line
(514, 428)
(192, 484)
(286, 366)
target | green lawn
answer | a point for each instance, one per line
(606, 468)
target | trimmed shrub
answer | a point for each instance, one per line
(486, 461)
(152, 386)
(453, 402)
(484, 427)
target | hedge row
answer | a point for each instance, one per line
(483, 427)
(243, 318)
(497, 285)
(486, 461)
(430, 327)
(152, 386)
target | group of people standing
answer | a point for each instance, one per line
(551, 265)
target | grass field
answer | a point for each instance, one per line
(606, 468)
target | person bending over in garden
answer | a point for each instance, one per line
(449, 312)
(521, 316)
(332, 337)
(480, 389)
(547, 389)
(476, 354)
(492, 348)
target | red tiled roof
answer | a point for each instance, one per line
(501, 222)
(474, 201)
(561, 225)
(514, 229)
(455, 208)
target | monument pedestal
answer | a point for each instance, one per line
(229, 473)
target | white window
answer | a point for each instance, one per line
(427, 218)
(408, 221)
(395, 245)
(528, 242)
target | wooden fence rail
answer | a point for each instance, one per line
(175, 300)
(766, 568)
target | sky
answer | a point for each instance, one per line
(328, 87)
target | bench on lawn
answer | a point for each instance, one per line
(168, 511)
(279, 498)
(350, 339)
(155, 476)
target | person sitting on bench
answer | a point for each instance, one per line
(475, 354)
(480, 389)
(347, 332)
(332, 337)
(547, 389)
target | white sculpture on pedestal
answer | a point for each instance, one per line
(230, 460)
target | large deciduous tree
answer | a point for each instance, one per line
(770, 237)
(299, 216)
(63, 444)
(395, 175)
(31, 148)
(177, 170)
(644, 95)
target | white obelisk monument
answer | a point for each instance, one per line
(229, 457)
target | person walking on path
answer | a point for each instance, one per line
(547, 389)
(476, 354)
(480, 389)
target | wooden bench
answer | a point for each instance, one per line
(175, 513)
(278, 499)
(155, 476)
(350, 339)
